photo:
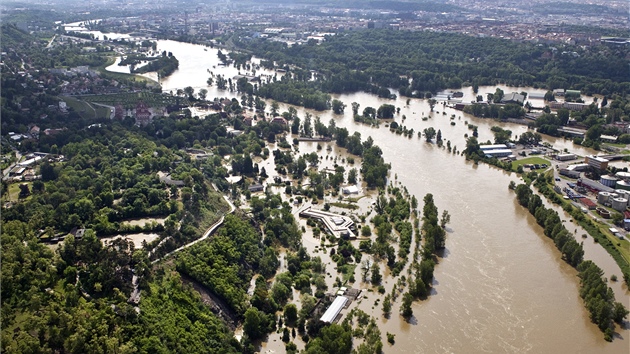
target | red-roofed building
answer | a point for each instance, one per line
(35, 131)
(279, 120)
(588, 203)
(143, 114)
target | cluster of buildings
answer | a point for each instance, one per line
(617, 200)
(142, 113)
(343, 299)
(34, 131)
(516, 21)
(613, 191)
(25, 170)
(621, 180)
(82, 80)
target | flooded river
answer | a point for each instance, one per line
(501, 286)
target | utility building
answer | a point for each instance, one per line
(331, 314)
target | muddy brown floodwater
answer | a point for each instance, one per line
(501, 286)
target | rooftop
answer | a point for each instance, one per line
(493, 147)
(334, 309)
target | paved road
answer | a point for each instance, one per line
(6, 171)
(51, 42)
(208, 232)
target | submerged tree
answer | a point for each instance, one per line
(338, 106)
(429, 134)
(432, 103)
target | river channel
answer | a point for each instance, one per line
(501, 286)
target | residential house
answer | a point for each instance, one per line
(143, 114)
(34, 131)
(279, 120)
(256, 188)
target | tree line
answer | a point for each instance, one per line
(433, 230)
(598, 298)
(369, 60)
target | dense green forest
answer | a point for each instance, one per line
(226, 263)
(418, 62)
(76, 301)
(104, 167)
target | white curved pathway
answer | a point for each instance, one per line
(206, 234)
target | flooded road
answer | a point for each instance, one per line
(501, 286)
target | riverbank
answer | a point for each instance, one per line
(113, 60)
(490, 282)
(618, 249)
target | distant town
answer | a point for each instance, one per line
(571, 22)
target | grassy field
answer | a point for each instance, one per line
(622, 245)
(344, 205)
(85, 109)
(346, 271)
(617, 145)
(130, 99)
(532, 160)
(14, 191)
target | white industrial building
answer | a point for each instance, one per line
(597, 162)
(334, 309)
(340, 226)
(570, 173)
(498, 153)
(350, 190)
(30, 162)
(566, 157)
(485, 148)
(578, 167)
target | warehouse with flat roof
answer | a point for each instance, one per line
(331, 314)
(485, 148)
(498, 153)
